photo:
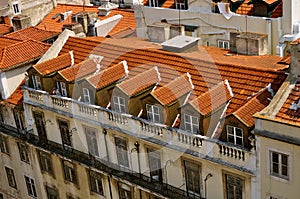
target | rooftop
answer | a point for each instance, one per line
(32, 33)
(4, 29)
(52, 21)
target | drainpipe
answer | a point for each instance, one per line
(109, 185)
(105, 142)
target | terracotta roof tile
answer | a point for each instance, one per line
(109, 75)
(212, 99)
(277, 12)
(168, 4)
(254, 105)
(270, 1)
(4, 42)
(53, 65)
(49, 23)
(208, 66)
(79, 71)
(287, 112)
(32, 33)
(16, 98)
(173, 90)
(22, 52)
(245, 8)
(140, 82)
(4, 29)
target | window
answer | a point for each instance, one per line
(235, 135)
(65, 133)
(36, 80)
(45, 162)
(279, 165)
(192, 177)
(153, 113)
(23, 152)
(4, 144)
(30, 186)
(234, 187)
(18, 119)
(40, 125)
(11, 177)
(119, 104)
(96, 182)
(51, 193)
(62, 90)
(91, 139)
(122, 154)
(16, 8)
(223, 44)
(86, 95)
(69, 172)
(154, 165)
(180, 4)
(191, 124)
(124, 191)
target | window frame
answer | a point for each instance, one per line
(65, 134)
(121, 146)
(45, 161)
(195, 168)
(222, 44)
(152, 114)
(11, 179)
(118, 105)
(62, 88)
(23, 151)
(30, 186)
(180, 5)
(93, 140)
(242, 185)
(279, 174)
(191, 124)
(124, 188)
(4, 146)
(154, 164)
(96, 184)
(52, 193)
(86, 95)
(16, 7)
(234, 128)
(69, 170)
(36, 81)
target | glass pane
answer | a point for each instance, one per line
(275, 158)
(284, 170)
(275, 168)
(284, 160)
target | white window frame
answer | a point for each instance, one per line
(68, 169)
(180, 5)
(153, 3)
(223, 44)
(234, 128)
(280, 165)
(61, 86)
(86, 95)
(96, 179)
(30, 186)
(36, 80)
(118, 105)
(153, 112)
(235, 186)
(91, 140)
(191, 124)
(16, 7)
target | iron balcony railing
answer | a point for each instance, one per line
(109, 168)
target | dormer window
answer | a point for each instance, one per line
(36, 81)
(119, 104)
(153, 113)
(16, 7)
(235, 135)
(86, 95)
(191, 124)
(61, 87)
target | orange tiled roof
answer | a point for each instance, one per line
(277, 12)
(51, 24)
(173, 90)
(208, 66)
(4, 42)
(140, 82)
(53, 65)
(4, 29)
(212, 99)
(168, 4)
(32, 33)
(22, 52)
(254, 105)
(78, 71)
(16, 98)
(108, 75)
(287, 113)
(270, 1)
(245, 8)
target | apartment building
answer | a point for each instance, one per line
(276, 130)
(125, 118)
(213, 21)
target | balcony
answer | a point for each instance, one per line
(177, 139)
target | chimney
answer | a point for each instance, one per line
(85, 19)
(161, 31)
(106, 8)
(180, 44)
(295, 58)
(75, 27)
(248, 43)
(21, 21)
(65, 15)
